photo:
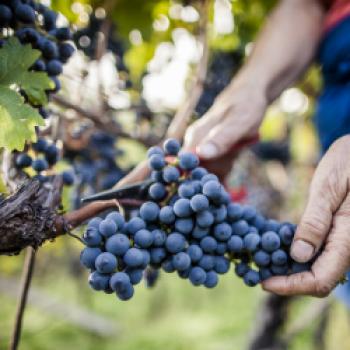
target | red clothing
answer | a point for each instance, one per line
(338, 10)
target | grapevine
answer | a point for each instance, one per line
(189, 226)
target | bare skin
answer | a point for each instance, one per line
(284, 49)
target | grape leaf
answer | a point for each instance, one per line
(18, 119)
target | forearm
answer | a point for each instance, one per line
(285, 47)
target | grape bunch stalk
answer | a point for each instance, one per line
(189, 226)
(35, 24)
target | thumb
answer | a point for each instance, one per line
(327, 191)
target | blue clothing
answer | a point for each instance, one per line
(332, 117)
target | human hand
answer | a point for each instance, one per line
(324, 228)
(234, 117)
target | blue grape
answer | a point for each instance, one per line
(175, 243)
(135, 224)
(95, 222)
(157, 191)
(117, 218)
(68, 178)
(135, 275)
(40, 165)
(197, 276)
(5, 14)
(222, 232)
(265, 273)
(207, 262)
(199, 203)
(156, 162)
(171, 174)
(261, 258)
(88, 256)
(251, 278)
(279, 270)
(184, 226)
(211, 279)
(270, 241)
(146, 257)
(199, 232)
(155, 150)
(119, 281)
(221, 249)
(186, 190)
(143, 238)
(208, 244)
(133, 257)
(240, 228)
(106, 263)
(241, 269)
(107, 227)
(286, 234)
(279, 257)
(168, 266)
(205, 219)
(272, 225)
(235, 244)
(158, 255)
(99, 281)
(300, 267)
(181, 261)
(92, 237)
(54, 67)
(159, 238)
(220, 214)
(118, 244)
(23, 160)
(167, 215)
(209, 177)
(157, 176)
(234, 211)
(127, 293)
(198, 173)
(195, 252)
(249, 212)
(252, 242)
(222, 264)
(188, 161)
(212, 189)
(25, 13)
(171, 147)
(184, 274)
(182, 208)
(149, 211)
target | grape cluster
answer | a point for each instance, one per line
(96, 165)
(188, 226)
(35, 24)
(44, 157)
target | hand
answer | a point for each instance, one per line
(235, 116)
(325, 227)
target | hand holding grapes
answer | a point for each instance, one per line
(235, 116)
(324, 229)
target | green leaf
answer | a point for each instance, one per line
(17, 120)
(15, 61)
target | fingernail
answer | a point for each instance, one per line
(208, 150)
(302, 251)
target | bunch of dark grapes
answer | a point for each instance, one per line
(96, 166)
(221, 70)
(42, 156)
(188, 226)
(35, 24)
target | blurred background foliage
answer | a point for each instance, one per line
(174, 315)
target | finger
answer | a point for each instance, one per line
(220, 139)
(137, 174)
(328, 269)
(328, 190)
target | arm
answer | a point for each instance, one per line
(283, 50)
